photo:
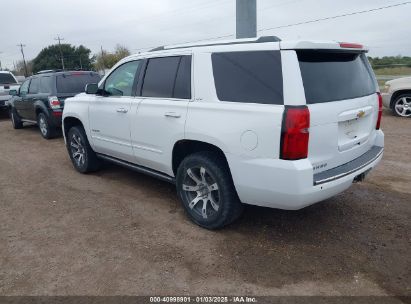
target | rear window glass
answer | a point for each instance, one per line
(331, 76)
(75, 82)
(6, 78)
(249, 77)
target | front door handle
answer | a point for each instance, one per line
(172, 114)
(122, 110)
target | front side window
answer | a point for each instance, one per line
(121, 81)
(24, 89)
(34, 86)
(249, 77)
(168, 77)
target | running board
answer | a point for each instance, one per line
(138, 168)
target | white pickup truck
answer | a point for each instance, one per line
(281, 124)
(7, 82)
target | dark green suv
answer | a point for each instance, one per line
(41, 97)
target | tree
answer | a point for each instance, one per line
(106, 60)
(19, 68)
(74, 58)
(378, 62)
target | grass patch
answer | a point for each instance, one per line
(393, 71)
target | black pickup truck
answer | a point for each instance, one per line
(41, 97)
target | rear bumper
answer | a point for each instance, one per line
(290, 184)
(351, 167)
(56, 118)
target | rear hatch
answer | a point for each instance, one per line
(70, 84)
(341, 94)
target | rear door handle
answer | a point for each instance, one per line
(172, 114)
(122, 110)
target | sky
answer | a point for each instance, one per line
(142, 24)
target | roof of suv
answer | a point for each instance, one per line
(61, 72)
(254, 43)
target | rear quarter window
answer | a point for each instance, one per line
(248, 77)
(331, 76)
(75, 82)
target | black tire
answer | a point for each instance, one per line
(212, 168)
(403, 99)
(15, 119)
(47, 130)
(77, 142)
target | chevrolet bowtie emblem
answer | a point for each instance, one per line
(361, 114)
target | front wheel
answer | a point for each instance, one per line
(206, 189)
(15, 119)
(402, 106)
(82, 156)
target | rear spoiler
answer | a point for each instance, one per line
(323, 45)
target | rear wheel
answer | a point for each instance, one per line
(206, 189)
(15, 119)
(45, 126)
(81, 154)
(402, 106)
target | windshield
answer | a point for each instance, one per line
(6, 78)
(333, 76)
(75, 82)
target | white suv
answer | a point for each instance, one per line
(7, 82)
(254, 121)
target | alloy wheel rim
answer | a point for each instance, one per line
(202, 192)
(403, 106)
(77, 150)
(43, 126)
(12, 119)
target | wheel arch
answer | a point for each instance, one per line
(185, 147)
(69, 122)
(39, 107)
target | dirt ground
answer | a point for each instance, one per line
(118, 232)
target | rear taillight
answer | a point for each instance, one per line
(54, 103)
(379, 111)
(295, 133)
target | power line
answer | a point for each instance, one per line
(293, 24)
(61, 53)
(335, 17)
(279, 4)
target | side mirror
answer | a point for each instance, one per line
(13, 92)
(91, 88)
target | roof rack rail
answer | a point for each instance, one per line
(262, 39)
(49, 71)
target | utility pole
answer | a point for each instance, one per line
(102, 59)
(21, 45)
(61, 53)
(246, 18)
